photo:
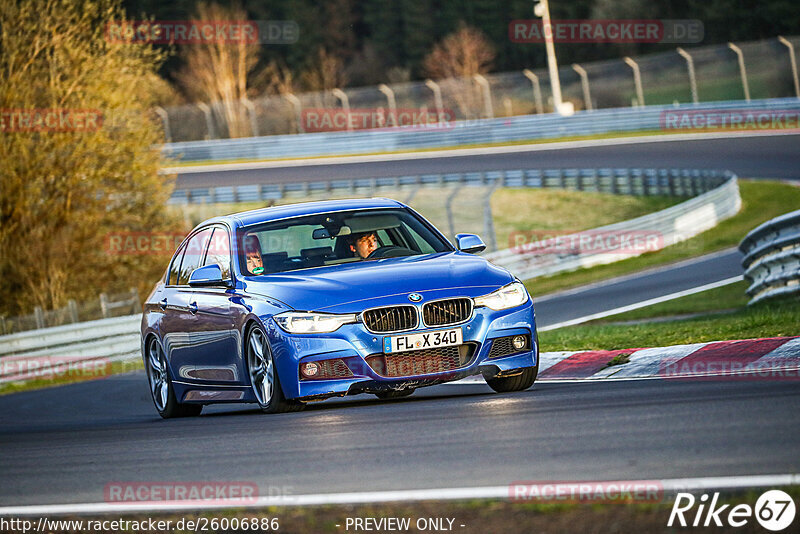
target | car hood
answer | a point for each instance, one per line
(353, 287)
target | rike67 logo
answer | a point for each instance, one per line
(774, 510)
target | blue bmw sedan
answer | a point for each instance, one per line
(287, 305)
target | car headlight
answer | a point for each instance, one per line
(312, 323)
(509, 296)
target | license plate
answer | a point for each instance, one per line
(423, 340)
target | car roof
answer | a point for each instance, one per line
(247, 218)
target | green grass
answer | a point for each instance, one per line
(765, 319)
(730, 297)
(761, 201)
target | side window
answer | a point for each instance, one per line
(219, 251)
(175, 267)
(194, 255)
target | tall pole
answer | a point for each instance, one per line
(637, 80)
(542, 9)
(537, 90)
(587, 97)
(742, 70)
(784, 41)
(690, 66)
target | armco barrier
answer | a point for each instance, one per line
(110, 340)
(772, 257)
(639, 182)
(673, 224)
(508, 129)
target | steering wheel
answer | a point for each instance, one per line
(389, 251)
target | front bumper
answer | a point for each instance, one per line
(352, 343)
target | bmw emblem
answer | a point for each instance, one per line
(414, 297)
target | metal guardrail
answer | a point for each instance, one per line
(671, 226)
(507, 129)
(59, 349)
(104, 307)
(626, 181)
(772, 257)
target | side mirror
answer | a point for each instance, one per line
(469, 243)
(206, 276)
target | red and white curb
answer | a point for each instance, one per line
(775, 358)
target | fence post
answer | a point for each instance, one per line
(537, 91)
(487, 95)
(73, 310)
(742, 70)
(448, 205)
(39, 316)
(209, 120)
(587, 97)
(488, 219)
(104, 305)
(692, 78)
(3, 325)
(134, 300)
(785, 42)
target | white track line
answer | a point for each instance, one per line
(457, 152)
(485, 492)
(643, 304)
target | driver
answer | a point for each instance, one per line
(364, 244)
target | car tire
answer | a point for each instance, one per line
(264, 376)
(160, 381)
(395, 393)
(517, 382)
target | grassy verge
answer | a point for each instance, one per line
(761, 201)
(765, 319)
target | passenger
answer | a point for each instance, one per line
(252, 252)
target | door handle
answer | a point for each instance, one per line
(193, 307)
(163, 304)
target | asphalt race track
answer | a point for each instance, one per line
(757, 157)
(63, 445)
(641, 286)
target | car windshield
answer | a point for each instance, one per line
(335, 238)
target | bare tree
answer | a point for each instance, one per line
(324, 73)
(458, 58)
(217, 72)
(462, 54)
